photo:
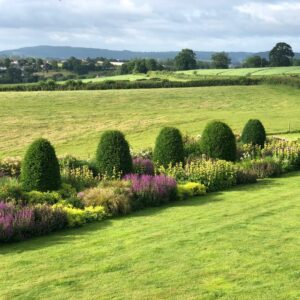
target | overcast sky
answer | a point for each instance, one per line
(151, 25)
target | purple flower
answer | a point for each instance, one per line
(19, 222)
(143, 166)
(152, 190)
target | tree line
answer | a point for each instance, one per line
(25, 70)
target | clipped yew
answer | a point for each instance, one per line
(40, 168)
(254, 133)
(168, 147)
(218, 141)
(113, 154)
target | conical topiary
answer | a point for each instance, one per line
(254, 133)
(40, 167)
(218, 141)
(113, 154)
(168, 147)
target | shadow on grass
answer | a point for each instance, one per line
(67, 235)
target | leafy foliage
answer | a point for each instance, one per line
(214, 174)
(113, 154)
(114, 196)
(190, 189)
(186, 60)
(168, 147)
(218, 141)
(254, 133)
(221, 60)
(40, 168)
(281, 55)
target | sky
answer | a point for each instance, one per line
(151, 25)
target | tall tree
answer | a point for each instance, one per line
(281, 55)
(186, 60)
(221, 60)
(255, 61)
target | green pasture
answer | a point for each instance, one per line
(73, 120)
(245, 71)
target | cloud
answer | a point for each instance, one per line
(283, 13)
(150, 24)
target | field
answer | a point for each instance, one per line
(74, 120)
(246, 71)
(206, 72)
(239, 244)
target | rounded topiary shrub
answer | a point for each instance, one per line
(218, 141)
(168, 147)
(254, 133)
(40, 168)
(113, 154)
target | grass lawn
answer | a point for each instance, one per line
(239, 244)
(74, 120)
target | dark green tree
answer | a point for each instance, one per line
(254, 133)
(140, 66)
(113, 154)
(281, 55)
(40, 168)
(168, 147)
(221, 60)
(186, 60)
(218, 141)
(255, 61)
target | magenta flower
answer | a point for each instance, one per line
(152, 190)
(143, 166)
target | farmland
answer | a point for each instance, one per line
(74, 120)
(268, 71)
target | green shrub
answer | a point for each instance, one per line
(77, 217)
(36, 197)
(73, 201)
(218, 141)
(10, 166)
(10, 189)
(254, 133)
(190, 189)
(79, 178)
(114, 196)
(67, 191)
(285, 152)
(263, 167)
(216, 175)
(245, 176)
(40, 168)
(168, 147)
(191, 147)
(113, 154)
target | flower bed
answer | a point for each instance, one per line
(85, 195)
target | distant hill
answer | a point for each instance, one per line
(61, 52)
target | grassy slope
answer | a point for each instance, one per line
(246, 71)
(239, 244)
(73, 120)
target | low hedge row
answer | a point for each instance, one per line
(124, 84)
(51, 85)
